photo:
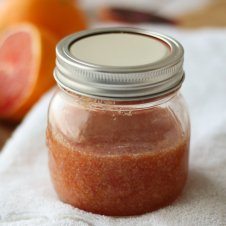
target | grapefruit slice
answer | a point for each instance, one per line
(27, 58)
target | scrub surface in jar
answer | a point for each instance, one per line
(118, 157)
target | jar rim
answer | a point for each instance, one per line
(119, 82)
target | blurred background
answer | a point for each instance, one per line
(30, 29)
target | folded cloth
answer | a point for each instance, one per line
(27, 196)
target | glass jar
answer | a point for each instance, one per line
(118, 129)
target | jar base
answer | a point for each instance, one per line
(125, 213)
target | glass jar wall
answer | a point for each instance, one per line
(118, 158)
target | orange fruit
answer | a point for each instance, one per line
(27, 59)
(61, 17)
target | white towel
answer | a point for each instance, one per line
(26, 193)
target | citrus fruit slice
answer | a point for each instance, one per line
(27, 58)
(61, 17)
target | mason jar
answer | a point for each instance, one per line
(118, 128)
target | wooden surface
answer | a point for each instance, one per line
(6, 130)
(210, 15)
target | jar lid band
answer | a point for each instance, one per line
(119, 82)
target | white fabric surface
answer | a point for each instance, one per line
(26, 193)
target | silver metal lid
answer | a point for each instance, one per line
(119, 82)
